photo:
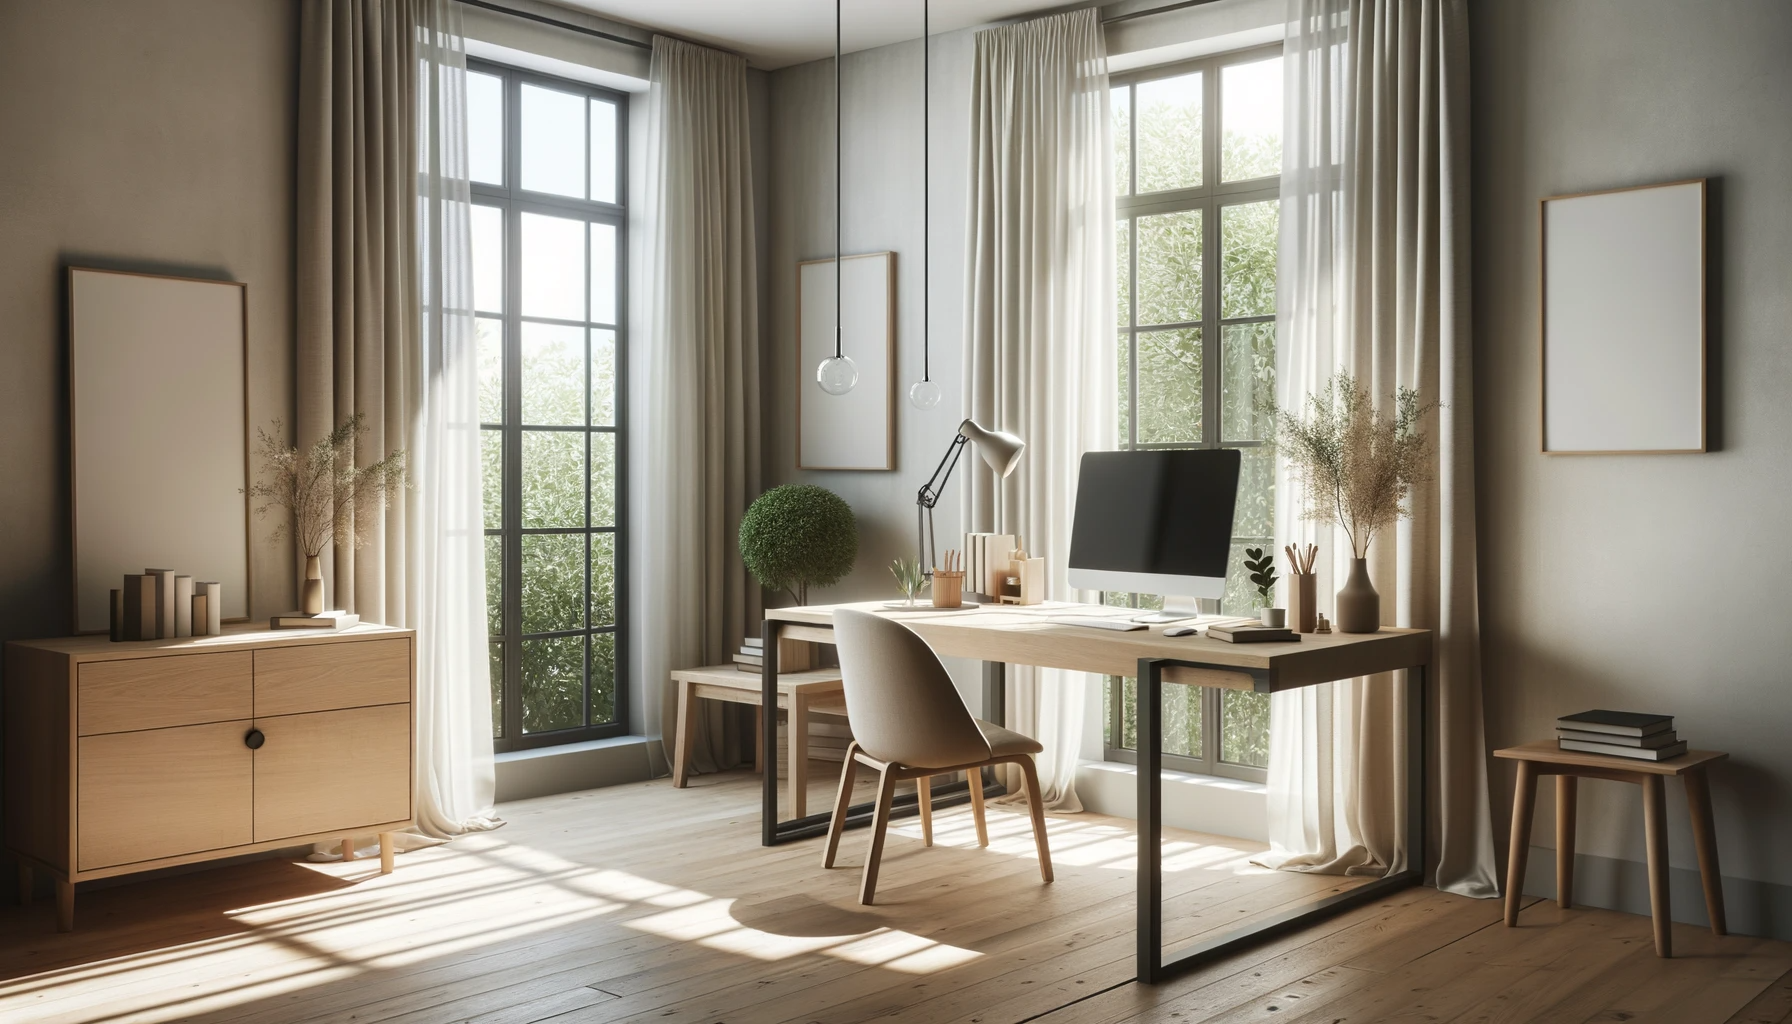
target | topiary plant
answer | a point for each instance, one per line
(797, 536)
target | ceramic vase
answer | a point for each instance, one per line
(1359, 606)
(311, 591)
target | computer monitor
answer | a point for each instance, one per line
(1155, 522)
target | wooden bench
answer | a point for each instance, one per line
(1568, 766)
(799, 693)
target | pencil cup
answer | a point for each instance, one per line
(1303, 600)
(948, 589)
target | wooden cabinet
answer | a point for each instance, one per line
(122, 757)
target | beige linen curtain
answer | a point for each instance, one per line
(384, 331)
(698, 435)
(1039, 334)
(1374, 279)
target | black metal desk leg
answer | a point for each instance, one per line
(1151, 824)
(768, 694)
(995, 692)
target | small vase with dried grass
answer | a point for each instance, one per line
(1357, 468)
(329, 496)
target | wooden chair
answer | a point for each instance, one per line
(910, 724)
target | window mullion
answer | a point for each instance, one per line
(1210, 258)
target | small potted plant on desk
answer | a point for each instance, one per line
(1262, 568)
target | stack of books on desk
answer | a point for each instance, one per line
(1252, 633)
(1620, 734)
(751, 656)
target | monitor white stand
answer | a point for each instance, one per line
(1176, 609)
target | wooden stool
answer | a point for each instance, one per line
(799, 692)
(1567, 766)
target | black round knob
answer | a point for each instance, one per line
(254, 739)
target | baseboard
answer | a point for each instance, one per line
(1761, 909)
(1199, 803)
(545, 771)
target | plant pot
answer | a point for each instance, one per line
(1303, 601)
(1275, 617)
(1359, 606)
(311, 591)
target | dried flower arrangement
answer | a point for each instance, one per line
(1357, 467)
(326, 492)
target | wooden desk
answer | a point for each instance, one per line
(799, 692)
(1031, 635)
(1569, 766)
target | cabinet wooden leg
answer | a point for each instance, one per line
(1524, 795)
(24, 884)
(1655, 834)
(388, 851)
(348, 849)
(1567, 791)
(1704, 837)
(798, 726)
(65, 905)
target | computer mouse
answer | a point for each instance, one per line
(1181, 631)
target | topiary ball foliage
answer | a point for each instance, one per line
(798, 535)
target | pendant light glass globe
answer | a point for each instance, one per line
(925, 394)
(837, 374)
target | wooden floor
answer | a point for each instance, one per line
(653, 904)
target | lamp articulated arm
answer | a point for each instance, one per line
(929, 496)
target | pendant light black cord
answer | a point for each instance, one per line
(839, 333)
(926, 221)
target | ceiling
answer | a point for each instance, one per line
(775, 33)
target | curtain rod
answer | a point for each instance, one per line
(586, 30)
(1165, 9)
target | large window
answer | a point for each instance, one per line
(1198, 155)
(547, 161)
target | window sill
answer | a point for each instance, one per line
(587, 764)
(1199, 803)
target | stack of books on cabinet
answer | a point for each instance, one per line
(1620, 734)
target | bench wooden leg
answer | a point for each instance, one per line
(1655, 832)
(1704, 837)
(685, 730)
(65, 905)
(798, 727)
(1524, 795)
(1567, 791)
(348, 848)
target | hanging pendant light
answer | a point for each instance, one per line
(924, 393)
(837, 374)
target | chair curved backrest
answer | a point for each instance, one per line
(899, 698)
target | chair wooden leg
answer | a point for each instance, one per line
(24, 884)
(974, 779)
(1036, 806)
(1655, 834)
(685, 731)
(924, 803)
(1524, 795)
(880, 823)
(65, 905)
(1567, 792)
(797, 725)
(1704, 837)
(842, 804)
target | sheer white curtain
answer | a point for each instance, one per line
(385, 330)
(1039, 349)
(1374, 280)
(698, 436)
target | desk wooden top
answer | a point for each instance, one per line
(1030, 635)
(1547, 752)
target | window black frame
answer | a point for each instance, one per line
(513, 201)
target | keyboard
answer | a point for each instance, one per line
(1099, 622)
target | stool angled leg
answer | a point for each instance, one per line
(1704, 836)
(1567, 791)
(683, 732)
(1524, 795)
(1655, 834)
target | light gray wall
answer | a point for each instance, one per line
(1654, 583)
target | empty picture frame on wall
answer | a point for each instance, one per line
(1623, 311)
(855, 430)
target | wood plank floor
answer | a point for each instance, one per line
(644, 903)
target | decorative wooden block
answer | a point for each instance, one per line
(1303, 601)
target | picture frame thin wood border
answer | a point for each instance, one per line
(805, 378)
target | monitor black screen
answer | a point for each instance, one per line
(1166, 513)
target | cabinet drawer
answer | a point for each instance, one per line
(162, 793)
(156, 693)
(327, 677)
(332, 771)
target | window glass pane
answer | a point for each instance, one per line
(1253, 517)
(603, 378)
(553, 141)
(603, 479)
(485, 127)
(1251, 113)
(489, 335)
(553, 367)
(1169, 113)
(1125, 397)
(1170, 386)
(603, 151)
(603, 678)
(491, 476)
(1169, 257)
(553, 683)
(603, 273)
(1181, 718)
(494, 584)
(1248, 259)
(1123, 271)
(553, 479)
(1120, 103)
(1244, 727)
(497, 673)
(1248, 384)
(488, 259)
(553, 582)
(603, 579)
(553, 267)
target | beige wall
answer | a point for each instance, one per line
(1654, 583)
(140, 135)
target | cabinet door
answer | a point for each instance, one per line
(162, 792)
(332, 771)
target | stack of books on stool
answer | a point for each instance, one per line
(1620, 734)
(751, 656)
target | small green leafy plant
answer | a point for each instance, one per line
(910, 577)
(1262, 568)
